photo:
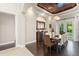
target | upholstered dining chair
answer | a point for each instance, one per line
(63, 42)
(48, 43)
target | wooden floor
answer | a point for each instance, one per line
(72, 49)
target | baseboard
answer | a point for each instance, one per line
(20, 45)
(25, 44)
(76, 41)
(30, 42)
(7, 45)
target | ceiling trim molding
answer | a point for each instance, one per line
(74, 12)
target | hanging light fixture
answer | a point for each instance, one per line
(56, 18)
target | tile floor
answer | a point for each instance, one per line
(16, 51)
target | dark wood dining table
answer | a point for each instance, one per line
(54, 40)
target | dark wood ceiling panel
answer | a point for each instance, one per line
(52, 7)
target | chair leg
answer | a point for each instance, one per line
(57, 48)
(45, 50)
(50, 51)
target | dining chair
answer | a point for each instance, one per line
(48, 43)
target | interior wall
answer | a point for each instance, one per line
(30, 26)
(30, 23)
(16, 9)
(20, 30)
(48, 21)
(74, 14)
(12, 8)
(75, 27)
(7, 28)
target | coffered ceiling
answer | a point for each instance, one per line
(55, 8)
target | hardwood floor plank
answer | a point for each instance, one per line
(72, 49)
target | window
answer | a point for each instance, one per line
(69, 27)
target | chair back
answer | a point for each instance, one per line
(47, 41)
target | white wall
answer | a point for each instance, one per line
(16, 9)
(25, 21)
(48, 21)
(22, 20)
(30, 24)
(32, 13)
(20, 30)
(75, 24)
(7, 28)
(12, 8)
(76, 28)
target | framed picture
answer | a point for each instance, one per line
(40, 25)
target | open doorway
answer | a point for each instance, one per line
(40, 29)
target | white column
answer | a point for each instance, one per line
(20, 30)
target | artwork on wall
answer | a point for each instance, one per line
(40, 25)
(69, 27)
(50, 26)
